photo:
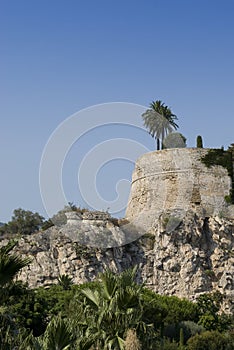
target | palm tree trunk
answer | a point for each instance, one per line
(163, 136)
(158, 144)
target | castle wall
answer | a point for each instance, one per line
(176, 180)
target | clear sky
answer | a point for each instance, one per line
(58, 57)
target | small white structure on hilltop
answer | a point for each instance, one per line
(73, 217)
(92, 217)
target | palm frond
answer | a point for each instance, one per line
(159, 120)
(127, 277)
(92, 296)
(10, 265)
(8, 247)
(58, 335)
(109, 283)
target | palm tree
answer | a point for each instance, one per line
(65, 281)
(113, 308)
(58, 336)
(10, 264)
(159, 120)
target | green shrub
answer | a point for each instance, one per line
(210, 273)
(218, 156)
(228, 199)
(190, 329)
(209, 340)
(170, 345)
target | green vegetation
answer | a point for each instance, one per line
(65, 282)
(199, 142)
(159, 120)
(228, 199)
(114, 312)
(22, 222)
(219, 156)
(211, 340)
(10, 265)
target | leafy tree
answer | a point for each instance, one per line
(159, 120)
(209, 305)
(34, 308)
(166, 313)
(29, 310)
(173, 309)
(23, 222)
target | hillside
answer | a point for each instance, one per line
(178, 231)
(194, 258)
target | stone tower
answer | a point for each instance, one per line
(176, 181)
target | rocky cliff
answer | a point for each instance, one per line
(187, 239)
(195, 257)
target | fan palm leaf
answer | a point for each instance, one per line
(92, 297)
(58, 335)
(10, 264)
(109, 283)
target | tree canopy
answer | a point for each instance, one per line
(23, 222)
(159, 120)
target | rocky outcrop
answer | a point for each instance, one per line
(183, 242)
(195, 257)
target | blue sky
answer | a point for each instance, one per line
(58, 57)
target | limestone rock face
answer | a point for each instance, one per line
(195, 257)
(187, 232)
(176, 180)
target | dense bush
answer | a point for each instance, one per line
(190, 328)
(209, 340)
